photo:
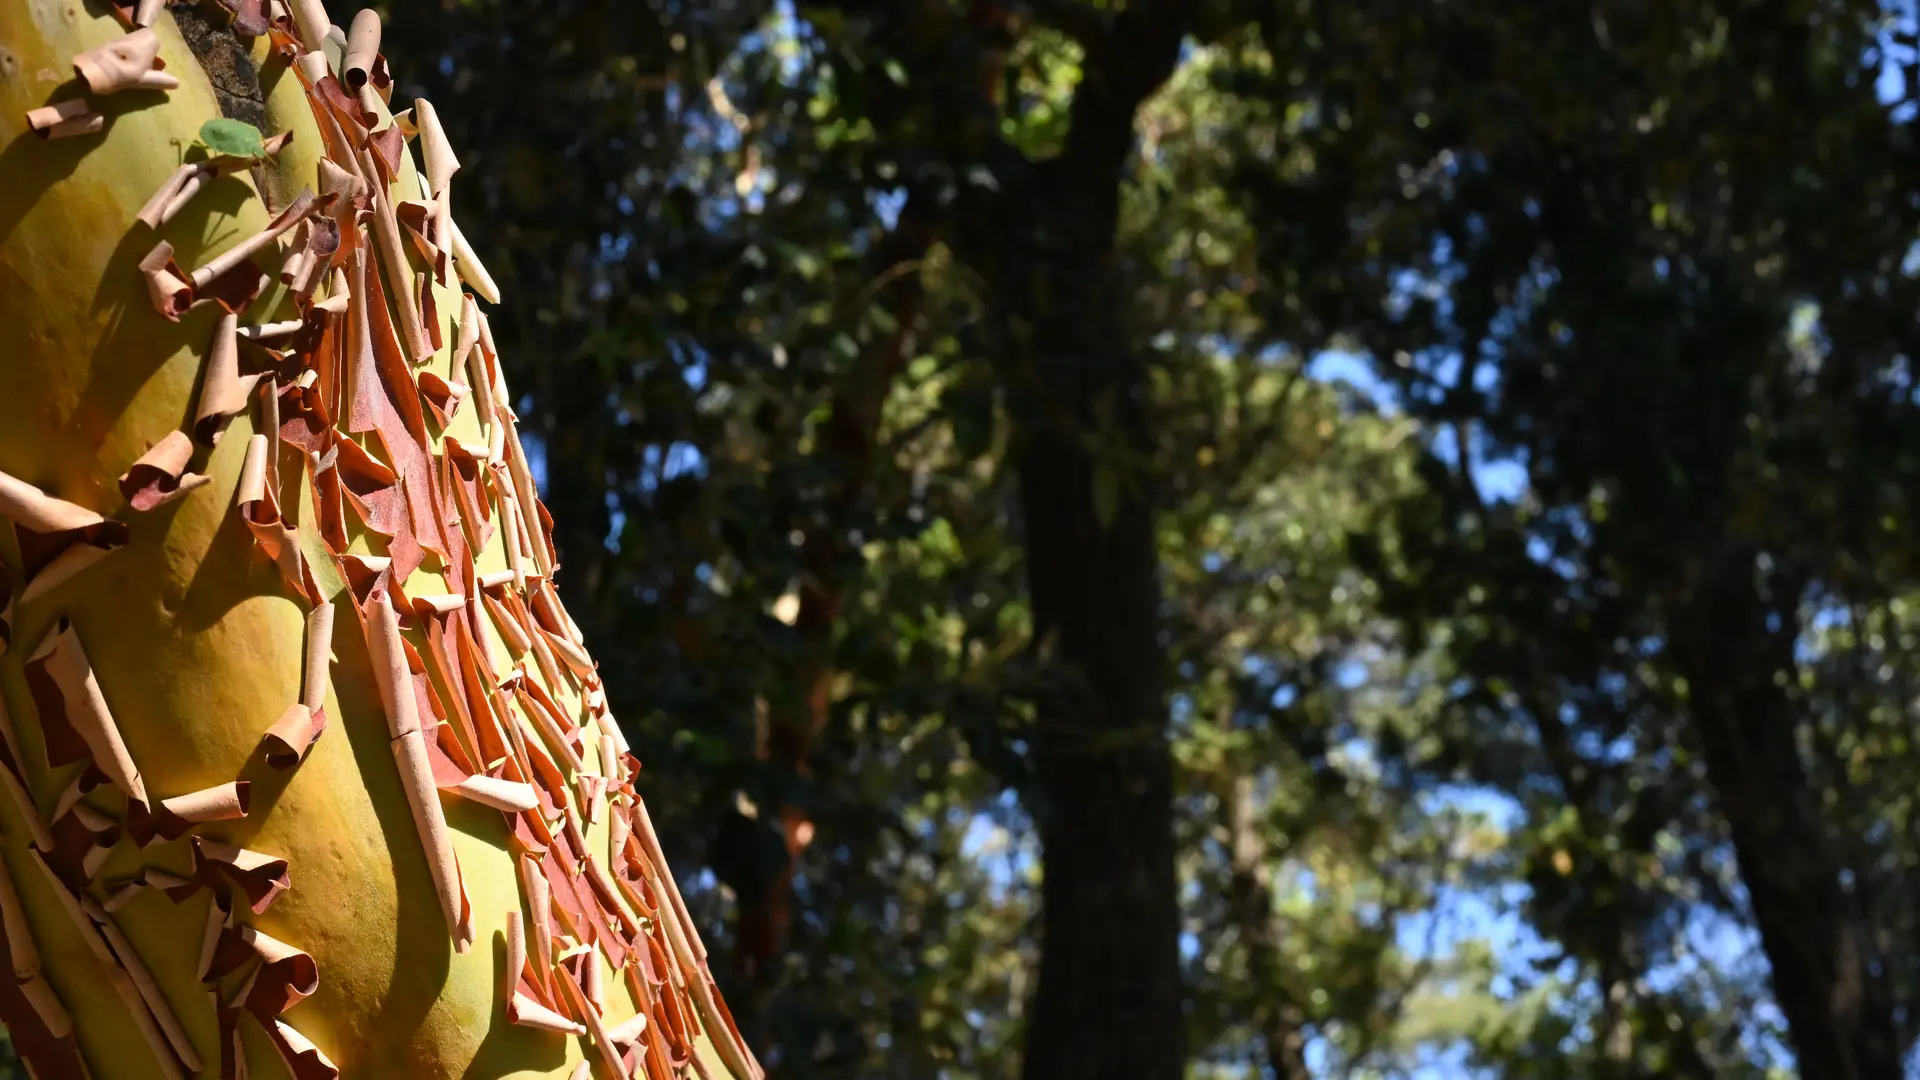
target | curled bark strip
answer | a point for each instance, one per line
(219, 920)
(174, 887)
(461, 473)
(516, 954)
(533, 884)
(116, 974)
(77, 706)
(268, 424)
(13, 919)
(69, 746)
(372, 489)
(483, 705)
(313, 685)
(469, 267)
(540, 765)
(95, 821)
(363, 48)
(261, 511)
(545, 607)
(619, 830)
(177, 816)
(119, 896)
(68, 563)
(260, 876)
(609, 894)
(131, 63)
(657, 861)
(533, 702)
(628, 1031)
(385, 229)
(576, 996)
(423, 223)
(613, 763)
(542, 652)
(387, 146)
(166, 283)
(594, 984)
(511, 796)
(510, 631)
(233, 1054)
(391, 671)
(385, 401)
(161, 476)
(441, 164)
(429, 310)
(310, 17)
(524, 993)
(366, 575)
(349, 191)
(576, 658)
(329, 504)
(469, 354)
(296, 212)
(437, 604)
(171, 197)
(303, 1059)
(51, 1013)
(262, 333)
(529, 1006)
(523, 489)
(286, 976)
(223, 390)
(143, 983)
(305, 421)
(526, 1012)
(235, 287)
(288, 740)
(39, 1026)
(65, 119)
(593, 795)
(733, 1046)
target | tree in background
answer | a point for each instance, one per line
(1660, 261)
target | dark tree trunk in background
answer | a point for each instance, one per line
(1828, 983)
(1281, 1022)
(1108, 998)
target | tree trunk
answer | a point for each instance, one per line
(1107, 1001)
(1836, 1000)
(1108, 998)
(186, 591)
(1281, 1022)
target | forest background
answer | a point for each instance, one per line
(1238, 538)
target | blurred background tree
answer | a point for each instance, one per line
(1237, 538)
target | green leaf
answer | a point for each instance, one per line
(233, 137)
(1106, 494)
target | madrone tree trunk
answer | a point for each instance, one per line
(303, 758)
